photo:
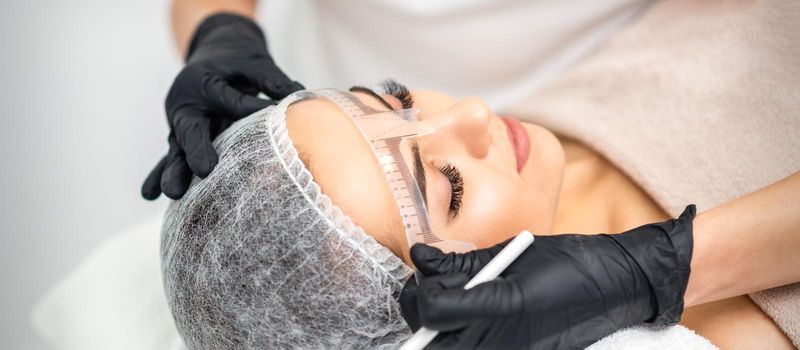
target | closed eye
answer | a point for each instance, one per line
(389, 87)
(399, 91)
(456, 189)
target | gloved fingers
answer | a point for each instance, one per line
(151, 188)
(444, 305)
(275, 84)
(448, 341)
(193, 136)
(432, 261)
(467, 338)
(177, 176)
(234, 104)
(437, 300)
(408, 298)
(408, 303)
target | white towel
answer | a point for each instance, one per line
(646, 338)
(113, 300)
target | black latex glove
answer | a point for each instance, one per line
(227, 65)
(563, 292)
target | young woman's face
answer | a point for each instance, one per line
(471, 148)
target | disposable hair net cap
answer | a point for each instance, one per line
(256, 257)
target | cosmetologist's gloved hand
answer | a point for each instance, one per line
(563, 292)
(227, 65)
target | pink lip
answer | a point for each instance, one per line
(519, 141)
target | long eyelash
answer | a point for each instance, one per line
(456, 185)
(392, 87)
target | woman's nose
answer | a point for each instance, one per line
(466, 123)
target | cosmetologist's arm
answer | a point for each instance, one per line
(187, 15)
(749, 244)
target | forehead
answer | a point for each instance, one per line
(343, 165)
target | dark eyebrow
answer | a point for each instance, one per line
(372, 93)
(419, 171)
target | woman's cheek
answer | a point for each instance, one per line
(494, 214)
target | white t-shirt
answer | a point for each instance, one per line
(499, 50)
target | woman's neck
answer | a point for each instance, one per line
(597, 197)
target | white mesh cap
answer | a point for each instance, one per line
(256, 257)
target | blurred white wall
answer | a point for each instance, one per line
(82, 85)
